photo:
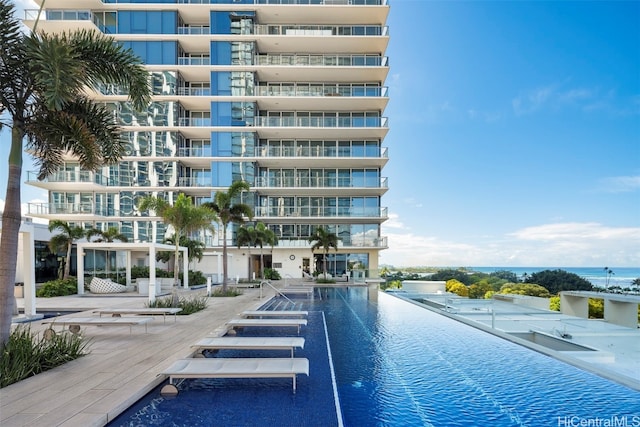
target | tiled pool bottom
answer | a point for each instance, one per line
(249, 402)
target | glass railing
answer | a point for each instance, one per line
(194, 182)
(322, 30)
(291, 2)
(194, 121)
(321, 182)
(306, 151)
(322, 122)
(323, 60)
(194, 30)
(287, 89)
(194, 91)
(307, 211)
(194, 152)
(70, 176)
(197, 60)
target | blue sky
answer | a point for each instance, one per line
(514, 134)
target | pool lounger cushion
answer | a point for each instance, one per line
(250, 343)
(274, 313)
(235, 368)
(243, 323)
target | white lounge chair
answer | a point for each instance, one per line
(74, 323)
(250, 343)
(243, 323)
(117, 312)
(260, 314)
(234, 368)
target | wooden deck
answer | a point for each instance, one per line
(121, 367)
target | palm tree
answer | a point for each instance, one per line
(195, 249)
(264, 236)
(229, 212)
(247, 236)
(322, 239)
(112, 234)
(42, 84)
(183, 216)
(64, 241)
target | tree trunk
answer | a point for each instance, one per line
(224, 258)
(10, 231)
(176, 270)
(67, 262)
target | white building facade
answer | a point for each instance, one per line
(287, 95)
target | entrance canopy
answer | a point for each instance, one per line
(129, 248)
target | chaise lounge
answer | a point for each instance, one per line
(234, 368)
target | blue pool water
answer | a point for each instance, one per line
(397, 364)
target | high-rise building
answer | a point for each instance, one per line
(287, 95)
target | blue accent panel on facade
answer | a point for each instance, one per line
(147, 22)
(154, 53)
(221, 53)
(220, 22)
(221, 83)
(221, 144)
(222, 174)
(221, 114)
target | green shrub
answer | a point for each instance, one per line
(230, 292)
(26, 354)
(188, 305)
(195, 278)
(271, 274)
(57, 288)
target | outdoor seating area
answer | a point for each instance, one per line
(201, 366)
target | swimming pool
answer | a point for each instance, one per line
(397, 364)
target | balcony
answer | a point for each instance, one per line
(310, 60)
(325, 121)
(317, 212)
(69, 211)
(322, 30)
(346, 90)
(80, 180)
(321, 186)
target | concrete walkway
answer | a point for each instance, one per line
(121, 368)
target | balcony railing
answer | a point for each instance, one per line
(323, 60)
(306, 151)
(322, 30)
(71, 176)
(308, 211)
(194, 152)
(274, 89)
(321, 182)
(64, 209)
(194, 182)
(194, 30)
(322, 122)
(194, 91)
(194, 60)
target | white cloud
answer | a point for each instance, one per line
(619, 184)
(553, 245)
(1, 205)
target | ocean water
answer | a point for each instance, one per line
(621, 276)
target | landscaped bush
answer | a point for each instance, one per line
(195, 278)
(230, 292)
(271, 274)
(143, 272)
(188, 305)
(58, 288)
(26, 354)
